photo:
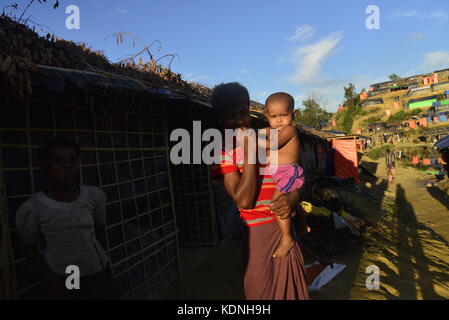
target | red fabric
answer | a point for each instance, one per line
(345, 159)
(261, 213)
(268, 278)
(312, 272)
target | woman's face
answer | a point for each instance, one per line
(235, 118)
(63, 166)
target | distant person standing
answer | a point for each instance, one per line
(391, 165)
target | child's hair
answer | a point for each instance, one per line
(46, 149)
(281, 97)
(229, 95)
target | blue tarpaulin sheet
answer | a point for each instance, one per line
(442, 143)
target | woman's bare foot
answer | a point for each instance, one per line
(284, 247)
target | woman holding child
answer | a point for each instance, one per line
(266, 199)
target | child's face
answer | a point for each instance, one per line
(279, 115)
(238, 117)
(63, 166)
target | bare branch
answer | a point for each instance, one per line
(172, 57)
(29, 4)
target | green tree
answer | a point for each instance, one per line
(394, 77)
(313, 114)
(345, 118)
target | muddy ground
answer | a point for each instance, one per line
(409, 243)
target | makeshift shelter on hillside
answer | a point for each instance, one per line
(421, 102)
(375, 127)
(370, 102)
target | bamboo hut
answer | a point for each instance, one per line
(120, 115)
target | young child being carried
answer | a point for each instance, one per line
(284, 167)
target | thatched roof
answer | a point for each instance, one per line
(22, 49)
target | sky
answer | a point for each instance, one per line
(300, 47)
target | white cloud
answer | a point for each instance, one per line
(433, 60)
(302, 33)
(331, 90)
(400, 13)
(121, 10)
(436, 60)
(309, 59)
(441, 15)
(434, 15)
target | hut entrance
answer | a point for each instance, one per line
(192, 183)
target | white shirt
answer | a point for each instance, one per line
(68, 229)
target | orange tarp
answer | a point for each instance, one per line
(426, 162)
(412, 124)
(423, 122)
(415, 160)
(345, 158)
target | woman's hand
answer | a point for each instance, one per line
(247, 141)
(284, 205)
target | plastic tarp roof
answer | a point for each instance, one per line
(442, 143)
(345, 158)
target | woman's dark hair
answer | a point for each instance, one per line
(230, 95)
(46, 149)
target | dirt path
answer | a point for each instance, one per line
(409, 246)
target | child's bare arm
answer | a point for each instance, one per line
(284, 136)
